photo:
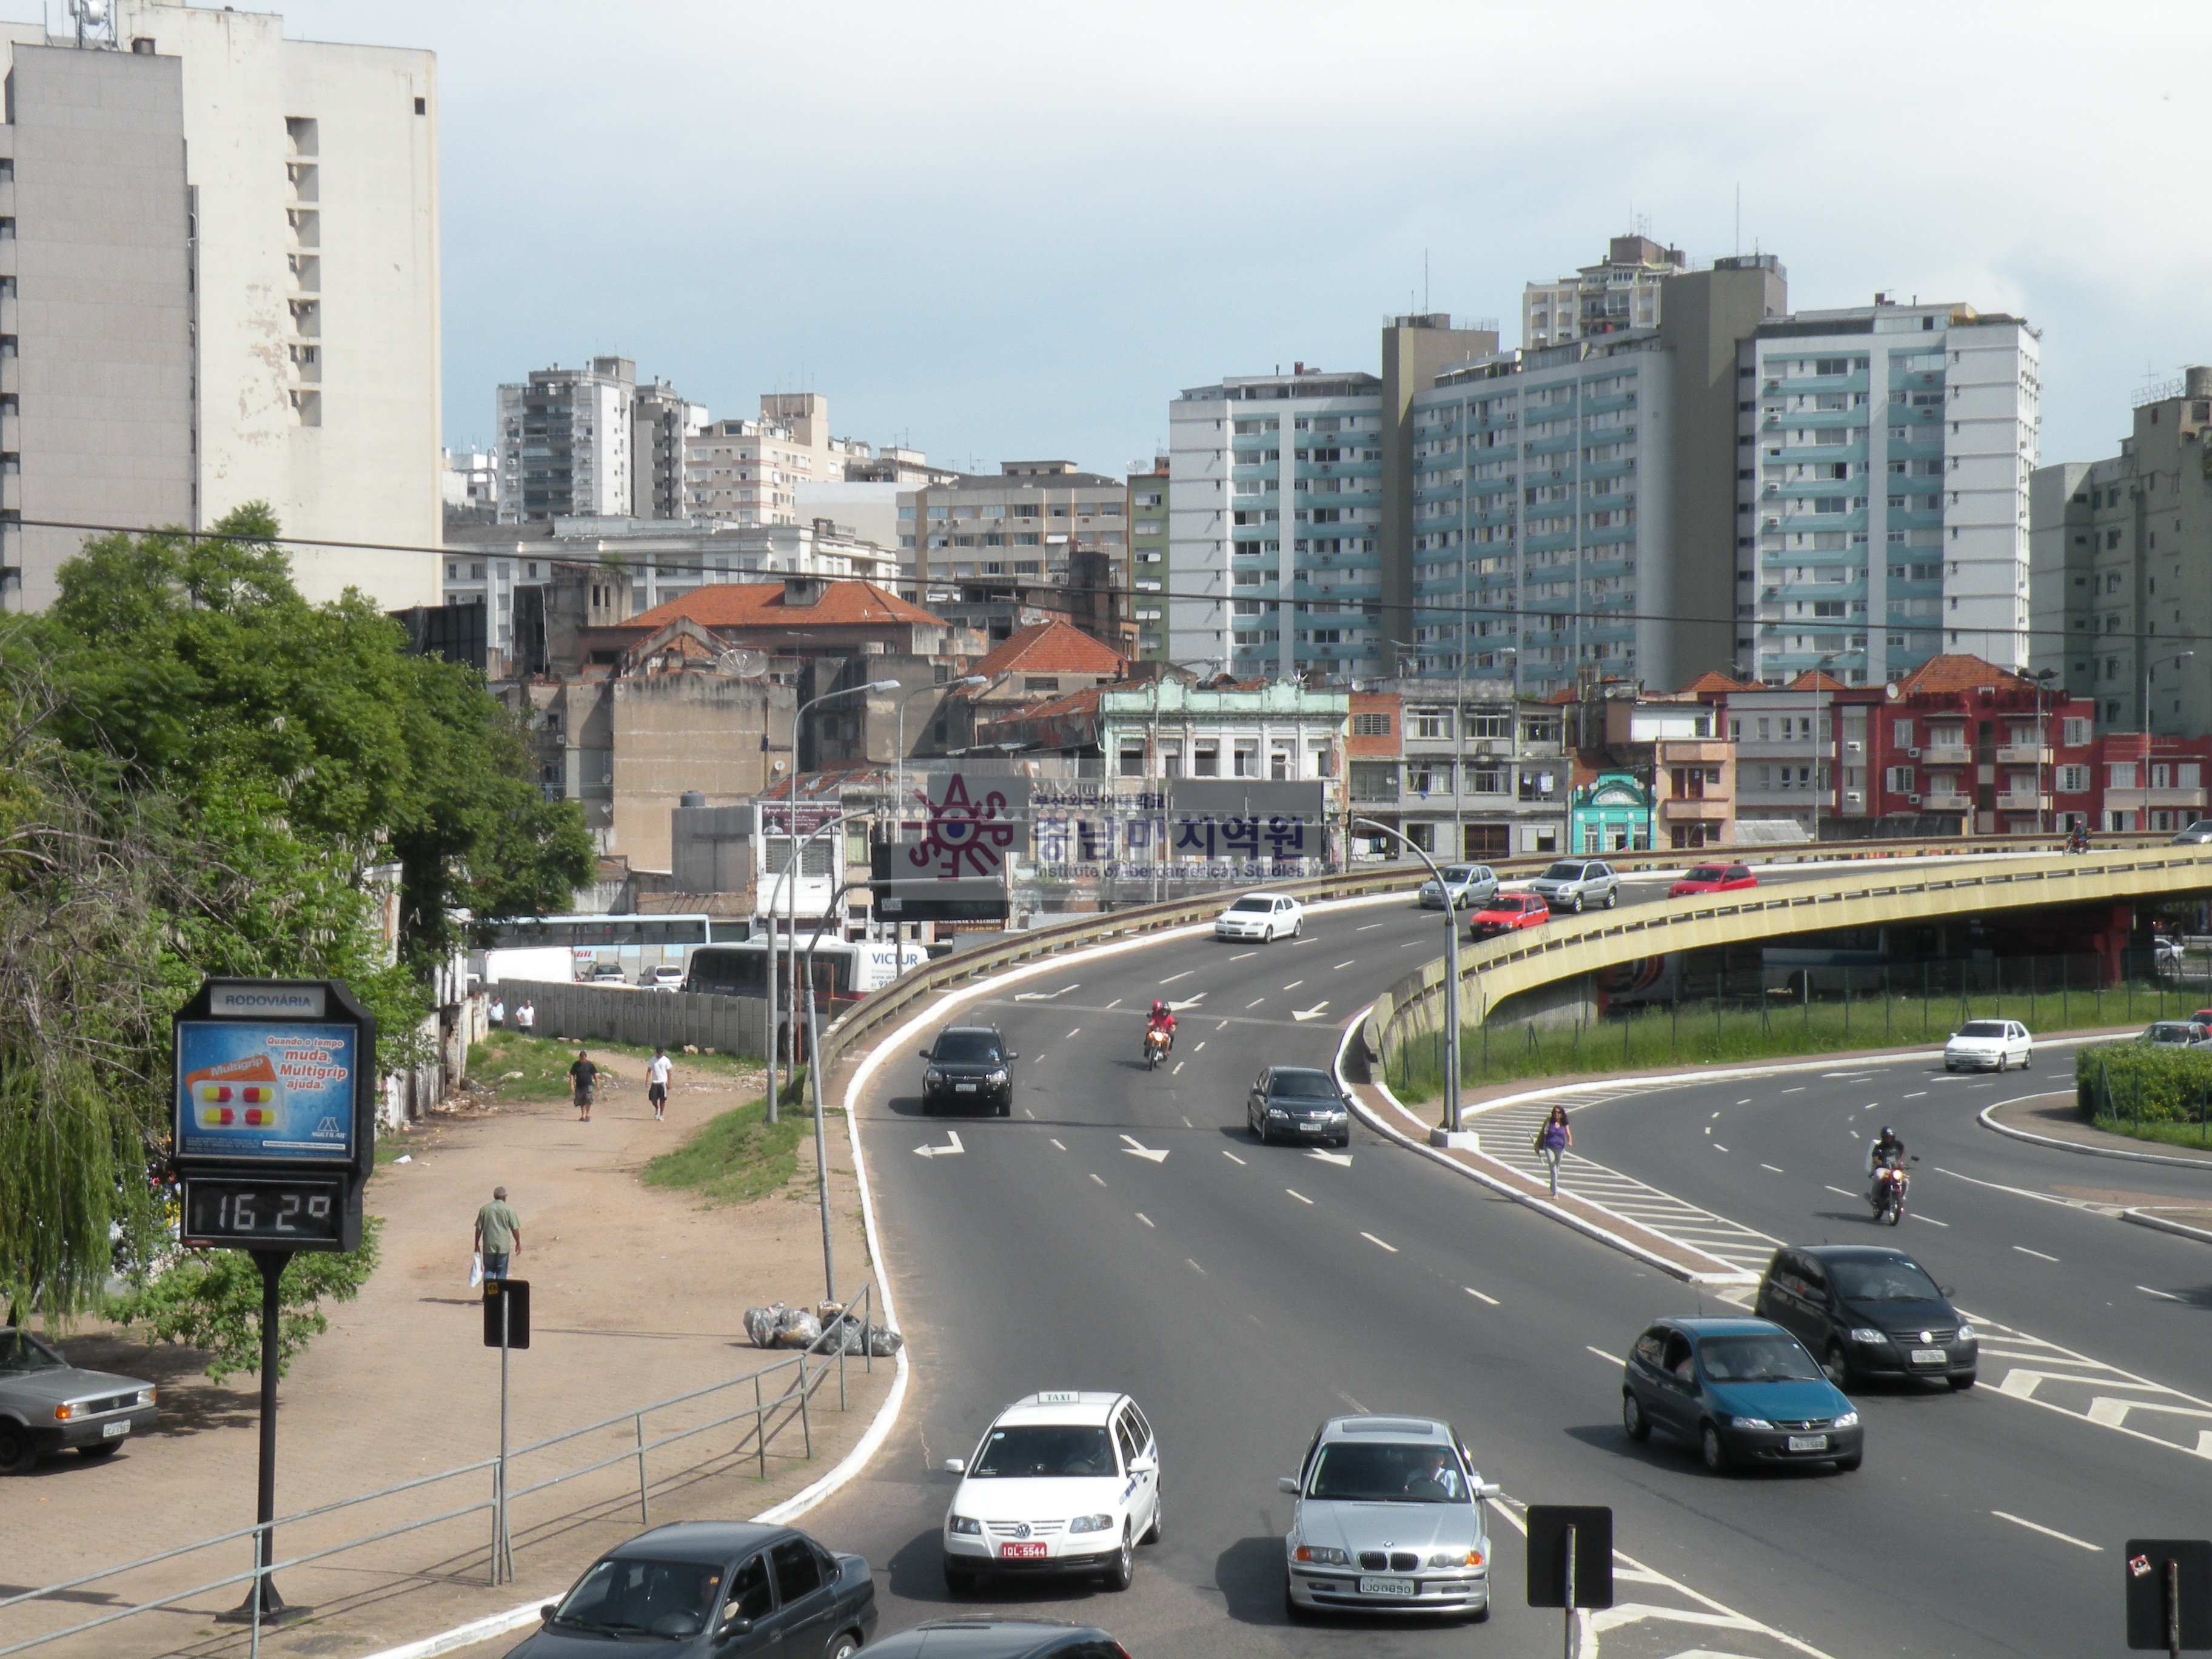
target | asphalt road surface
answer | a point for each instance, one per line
(1244, 1293)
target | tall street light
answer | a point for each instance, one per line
(1819, 744)
(1452, 1120)
(814, 1066)
(2042, 678)
(791, 878)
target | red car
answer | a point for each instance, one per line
(1507, 913)
(1713, 879)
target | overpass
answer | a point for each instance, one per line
(1862, 895)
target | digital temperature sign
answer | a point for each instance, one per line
(303, 1214)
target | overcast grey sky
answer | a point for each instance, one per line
(1005, 231)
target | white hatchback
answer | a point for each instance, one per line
(1061, 1483)
(1988, 1045)
(1267, 916)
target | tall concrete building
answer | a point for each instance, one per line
(565, 443)
(1622, 291)
(2122, 577)
(1940, 402)
(1148, 557)
(1571, 505)
(743, 473)
(660, 419)
(306, 294)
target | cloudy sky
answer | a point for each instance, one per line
(999, 231)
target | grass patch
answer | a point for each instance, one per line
(2197, 1136)
(738, 1156)
(518, 1067)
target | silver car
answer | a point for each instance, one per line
(1388, 1519)
(1470, 885)
(1576, 885)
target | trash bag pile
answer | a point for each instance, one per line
(826, 1329)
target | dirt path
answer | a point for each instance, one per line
(637, 1295)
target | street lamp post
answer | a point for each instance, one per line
(1820, 744)
(791, 880)
(2042, 677)
(1453, 1123)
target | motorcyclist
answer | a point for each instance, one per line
(1161, 1019)
(1886, 1151)
(2078, 840)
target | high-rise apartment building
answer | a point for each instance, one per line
(741, 472)
(301, 276)
(660, 419)
(2123, 567)
(1148, 557)
(565, 443)
(1622, 292)
(1862, 579)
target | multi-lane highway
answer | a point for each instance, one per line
(1243, 1293)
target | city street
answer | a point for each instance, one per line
(1244, 1293)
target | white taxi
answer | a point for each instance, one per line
(1064, 1482)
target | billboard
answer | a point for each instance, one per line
(1179, 829)
(955, 870)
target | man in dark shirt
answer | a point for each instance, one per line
(584, 1076)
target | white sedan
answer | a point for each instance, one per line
(1988, 1045)
(1267, 916)
(1061, 1483)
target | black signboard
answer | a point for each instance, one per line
(2169, 1583)
(1548, 1525)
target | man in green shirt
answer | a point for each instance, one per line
(499, 1234)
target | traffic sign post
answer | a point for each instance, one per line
(1569, 1560)
(2169, 1589)
(507, 1327)
(272, 1137)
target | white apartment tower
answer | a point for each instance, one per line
(564, 443)
(1887, 520)
(1620, 293)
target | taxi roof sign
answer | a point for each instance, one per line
(1058, 1397)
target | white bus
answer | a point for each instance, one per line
(844, 971)
(611, 949)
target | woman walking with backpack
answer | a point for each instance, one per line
(1552, 1141)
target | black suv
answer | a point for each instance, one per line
(1866, 1311)
(967, 1065)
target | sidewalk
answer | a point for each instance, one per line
(2055, 1117)
(637, 1294)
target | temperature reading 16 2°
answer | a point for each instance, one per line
(273, 1211)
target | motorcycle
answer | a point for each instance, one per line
(2078, 842)
(1155, 1048)
(1891, 1182)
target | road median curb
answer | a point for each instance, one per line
(2143, 1218)
(1985, 1118)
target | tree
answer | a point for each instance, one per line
(212, 1299)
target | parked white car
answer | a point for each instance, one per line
(1988, 1045)
(1269, 916)
(1064, 1482)
(668, 976)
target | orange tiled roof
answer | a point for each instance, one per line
(1052, 647)
(1712, 680)
(761, 604)
(1811, 679)
(1959, 670)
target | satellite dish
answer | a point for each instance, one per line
(743, 662)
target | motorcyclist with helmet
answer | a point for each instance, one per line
(1163, 1020)
(1884, 1153)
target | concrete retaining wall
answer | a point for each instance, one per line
(602, 1013)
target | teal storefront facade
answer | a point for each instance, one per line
(1612, 813)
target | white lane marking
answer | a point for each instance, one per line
(1146, 1219)
(1343, 1158)
(1294, 985)
(1313, 1012)
(1064, 1149)
(1202, 1044)
(1298, 1195)
(2163, 1296)
(2064, 1538)
(1040, 1059)
(1112, 1005)
(1137, 1148)
(1379, 1244)
(1708, 1127)
(1799, 1090)
(1369, 928)
(1609, 1359)
(1478, 1296)
(1222, 1027)
(2022, 1192)
(1255, 1002)
(1195, 1268)
(1178, 1069)
(1077, 1032)
(1029, 1114)
(1929, 1220)
(1094, 1176)
(1241, 955)
(1046, 996)
(1350, 1402)
(953, 1148)
(1233, 1158)
(1916, 1094)
(1763, 1166)
(1411, 943)
(1739, 1102)
(1186, 973)
(1718, 1147)
(2037, 1255)
(1347, 963)
(1187, 1123)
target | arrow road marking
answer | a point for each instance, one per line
(1313, 1012)
(1043, 996)
(1137, 1148)
(953, 1150)
(1343, 1158)
(1190, 1002)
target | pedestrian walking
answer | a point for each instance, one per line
(499, 1235)
(525, 1017)
(1552, 1141)
(583, 1077)
(498, 1011)
(656, 1083)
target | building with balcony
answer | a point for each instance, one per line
(1940, 402)
(2122, 555)
(1148, 558)
(1037, 539)
(1479, 777)
(564, 443)
(1622, 292)
(754, 472)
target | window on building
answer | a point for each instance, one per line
(2123, 776)
(1206, 758)
(1040, 682)
(1371, 725)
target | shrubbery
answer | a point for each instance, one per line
(2143, 1082)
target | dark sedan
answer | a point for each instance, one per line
(968, 1066)
(726, 1588)
(1298, 1102)
(48, 1405)
(1868, 1312)
(1000, 1638)
(1739, 1390)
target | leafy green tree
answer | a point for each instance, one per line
(212, 1299)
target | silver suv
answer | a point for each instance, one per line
(1577, 883)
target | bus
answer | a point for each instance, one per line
(844, 971)
(625, 947)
